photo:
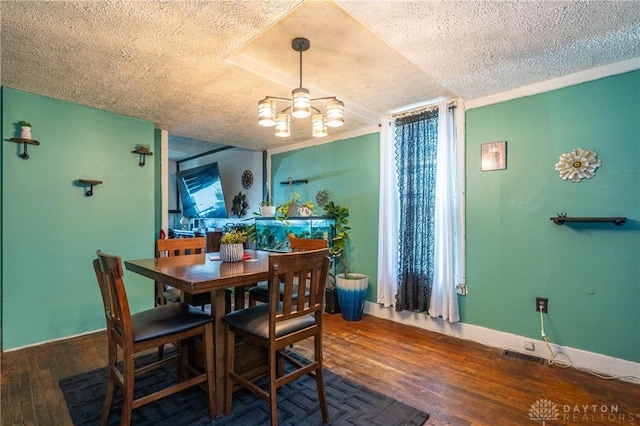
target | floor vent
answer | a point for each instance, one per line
(526, 357)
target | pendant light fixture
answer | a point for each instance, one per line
(301, 106)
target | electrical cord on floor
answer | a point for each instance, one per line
(569, 363)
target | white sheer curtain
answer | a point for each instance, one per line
(447, 256)
(449, 216)
(388, 218)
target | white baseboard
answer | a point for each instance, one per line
(584, 360)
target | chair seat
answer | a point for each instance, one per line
(255, 320)
(260, 292)
(166, 320)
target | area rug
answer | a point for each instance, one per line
(349, 403)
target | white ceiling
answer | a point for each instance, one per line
(198, 68)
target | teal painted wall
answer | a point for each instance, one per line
(348, 170)
(50, 230)
(589, 272)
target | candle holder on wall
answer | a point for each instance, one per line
(91, 183)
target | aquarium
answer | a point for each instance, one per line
(271, 233)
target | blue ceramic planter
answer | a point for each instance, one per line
(351, 295)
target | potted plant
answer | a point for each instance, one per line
(289, 207)
(25, 129)
(232, 246)
(267, 209)
(306, 208)
(351, 287)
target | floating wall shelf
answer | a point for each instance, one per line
(560, 220)
(142, 152)
(91, 183)
(294, 181)
(25, 154)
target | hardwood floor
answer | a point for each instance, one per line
(458, 382)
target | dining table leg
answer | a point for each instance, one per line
(218, 311)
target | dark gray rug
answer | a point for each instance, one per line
(349, 403)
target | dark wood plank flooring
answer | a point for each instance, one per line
(458, 382)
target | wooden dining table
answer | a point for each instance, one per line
(201, 273)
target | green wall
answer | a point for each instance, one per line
(51, 230)
(590, 272)
(348, 170)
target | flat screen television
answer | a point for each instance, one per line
(201, 192)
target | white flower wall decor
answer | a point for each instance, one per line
(578, 164)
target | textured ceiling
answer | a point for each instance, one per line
(197, 69)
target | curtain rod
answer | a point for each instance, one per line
(452, 104)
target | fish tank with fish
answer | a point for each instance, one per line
(271, 233)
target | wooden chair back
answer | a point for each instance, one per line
(284, 271)
(109, 273)
(180, 246)
(304, 244)
(154, 328)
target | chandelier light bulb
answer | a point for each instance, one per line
(301, 105)
(283, 125)
(335, 113)
(267, 112)
(319, 126)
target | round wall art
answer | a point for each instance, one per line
(578, 164)
(247, 179)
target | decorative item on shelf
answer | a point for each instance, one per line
(240, 204)
(25, 139)
(232, 246)
(247, 179)
(142, 151)
(91, 184)
(300, 106)
(578, 164)
(25, 129)
(306, 208)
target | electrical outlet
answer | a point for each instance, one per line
(528, 345)
(542, 303)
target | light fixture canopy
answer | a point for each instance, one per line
(300, 105)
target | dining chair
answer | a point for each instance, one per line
(173, 322)
(179, 247)
(276, 325)
(260, 292)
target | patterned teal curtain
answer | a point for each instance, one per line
(416, 143)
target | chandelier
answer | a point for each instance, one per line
(300, 106)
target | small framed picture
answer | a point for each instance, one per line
(494, 156)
